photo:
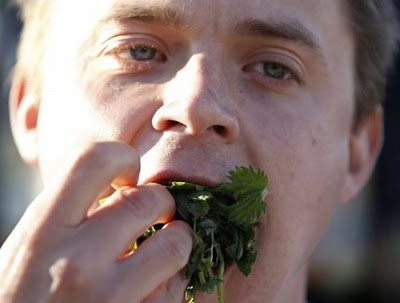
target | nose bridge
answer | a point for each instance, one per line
(199, 78)
(198, 98)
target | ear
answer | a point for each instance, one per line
(364, 146)
(24, 110)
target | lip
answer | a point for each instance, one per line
(166, 176)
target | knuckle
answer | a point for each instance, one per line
(94, 152)
(81, 159)
(136, 203)
(108, 293)
(102, 154)
(173, 291)
(69, 273)
(177, 244)
(159, 199)
(161, 196)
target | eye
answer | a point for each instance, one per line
(143, 52)
(270, 69)
(136, 57)
(273, 73)
(276, 71)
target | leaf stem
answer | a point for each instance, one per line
(202, 279)
(221, 269)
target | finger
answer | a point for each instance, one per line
(84, 177)
(171, 291)
(157, 260)
(123, 218)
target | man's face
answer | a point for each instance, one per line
(198, 87)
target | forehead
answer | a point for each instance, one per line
(315, 15)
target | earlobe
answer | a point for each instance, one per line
(364, 146)
(24, 110)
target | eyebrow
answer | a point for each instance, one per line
(156, 14)
(291, 30)
(286, 30)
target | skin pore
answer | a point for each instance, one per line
(189, 89)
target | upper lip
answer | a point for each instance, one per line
(166, 176)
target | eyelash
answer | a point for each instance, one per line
(123, 54)
(258, 68)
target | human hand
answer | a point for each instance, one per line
(59, 252)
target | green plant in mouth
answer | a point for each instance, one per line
(224, 221)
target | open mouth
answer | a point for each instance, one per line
(194, 176)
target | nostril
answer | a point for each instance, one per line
(196, 119)
(171, 123)
(164, 125)
(220, 130)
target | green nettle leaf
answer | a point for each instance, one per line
(208, 225)
(231, 250)
(209, 286)
(244, 180)
(245, 263)
(248, 207)
(224, 222)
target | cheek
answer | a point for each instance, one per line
(68, 121)
(305, 182)
(93, 109)
(304, 191)
(64, 126)
(306, 162)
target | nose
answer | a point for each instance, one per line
(198, 101)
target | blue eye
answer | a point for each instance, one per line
(136, 56)
(276, 71)
(143, 53)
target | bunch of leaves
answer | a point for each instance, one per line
(224, 222)
(223, 219)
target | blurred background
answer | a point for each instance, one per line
(358, 260)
